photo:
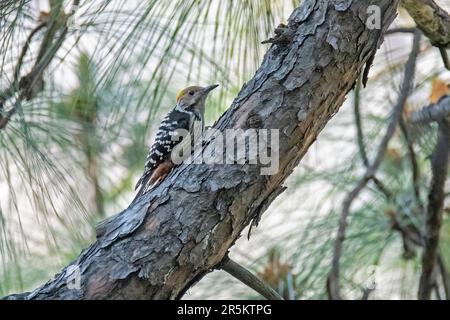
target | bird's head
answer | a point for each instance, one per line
(194, 97)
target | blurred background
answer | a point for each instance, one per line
(72, 152)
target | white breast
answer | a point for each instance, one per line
(197, 130)
(186, 145)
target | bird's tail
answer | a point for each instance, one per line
(143, 185)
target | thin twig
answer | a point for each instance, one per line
(8, 93)
(445, 277)
(401, 30)
(409, 231)
(366, 293)
(360, 138)
(432, 113)
(249, 279)
(45, 56)
(436, 291)
(411, 234)
(333, 277)
(414, 165)
(442, 50)
(436, 196)
(444, 56)
(358, 123)
(25, 50)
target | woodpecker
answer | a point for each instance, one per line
(186, 117)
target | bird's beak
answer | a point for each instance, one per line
(208, 89)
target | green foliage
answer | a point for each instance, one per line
(73, 153)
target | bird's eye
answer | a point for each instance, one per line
(191, 93)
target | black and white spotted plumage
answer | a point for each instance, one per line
(167, 137)
(172, 142)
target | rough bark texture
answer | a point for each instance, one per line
(171, 237)
(431, 19)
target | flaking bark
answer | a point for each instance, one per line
(171, 237)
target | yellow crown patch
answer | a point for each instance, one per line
(180, 94)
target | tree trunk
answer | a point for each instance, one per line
(172, 236)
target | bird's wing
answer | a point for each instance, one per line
(164, 143)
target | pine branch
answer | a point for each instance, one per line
(360, 138)
(407, 86)
(445, 59)
(413, 160)
(436, 197)
(445, 277)
(249, 279)
(435, 112)
(173, 235)
(32, 83)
